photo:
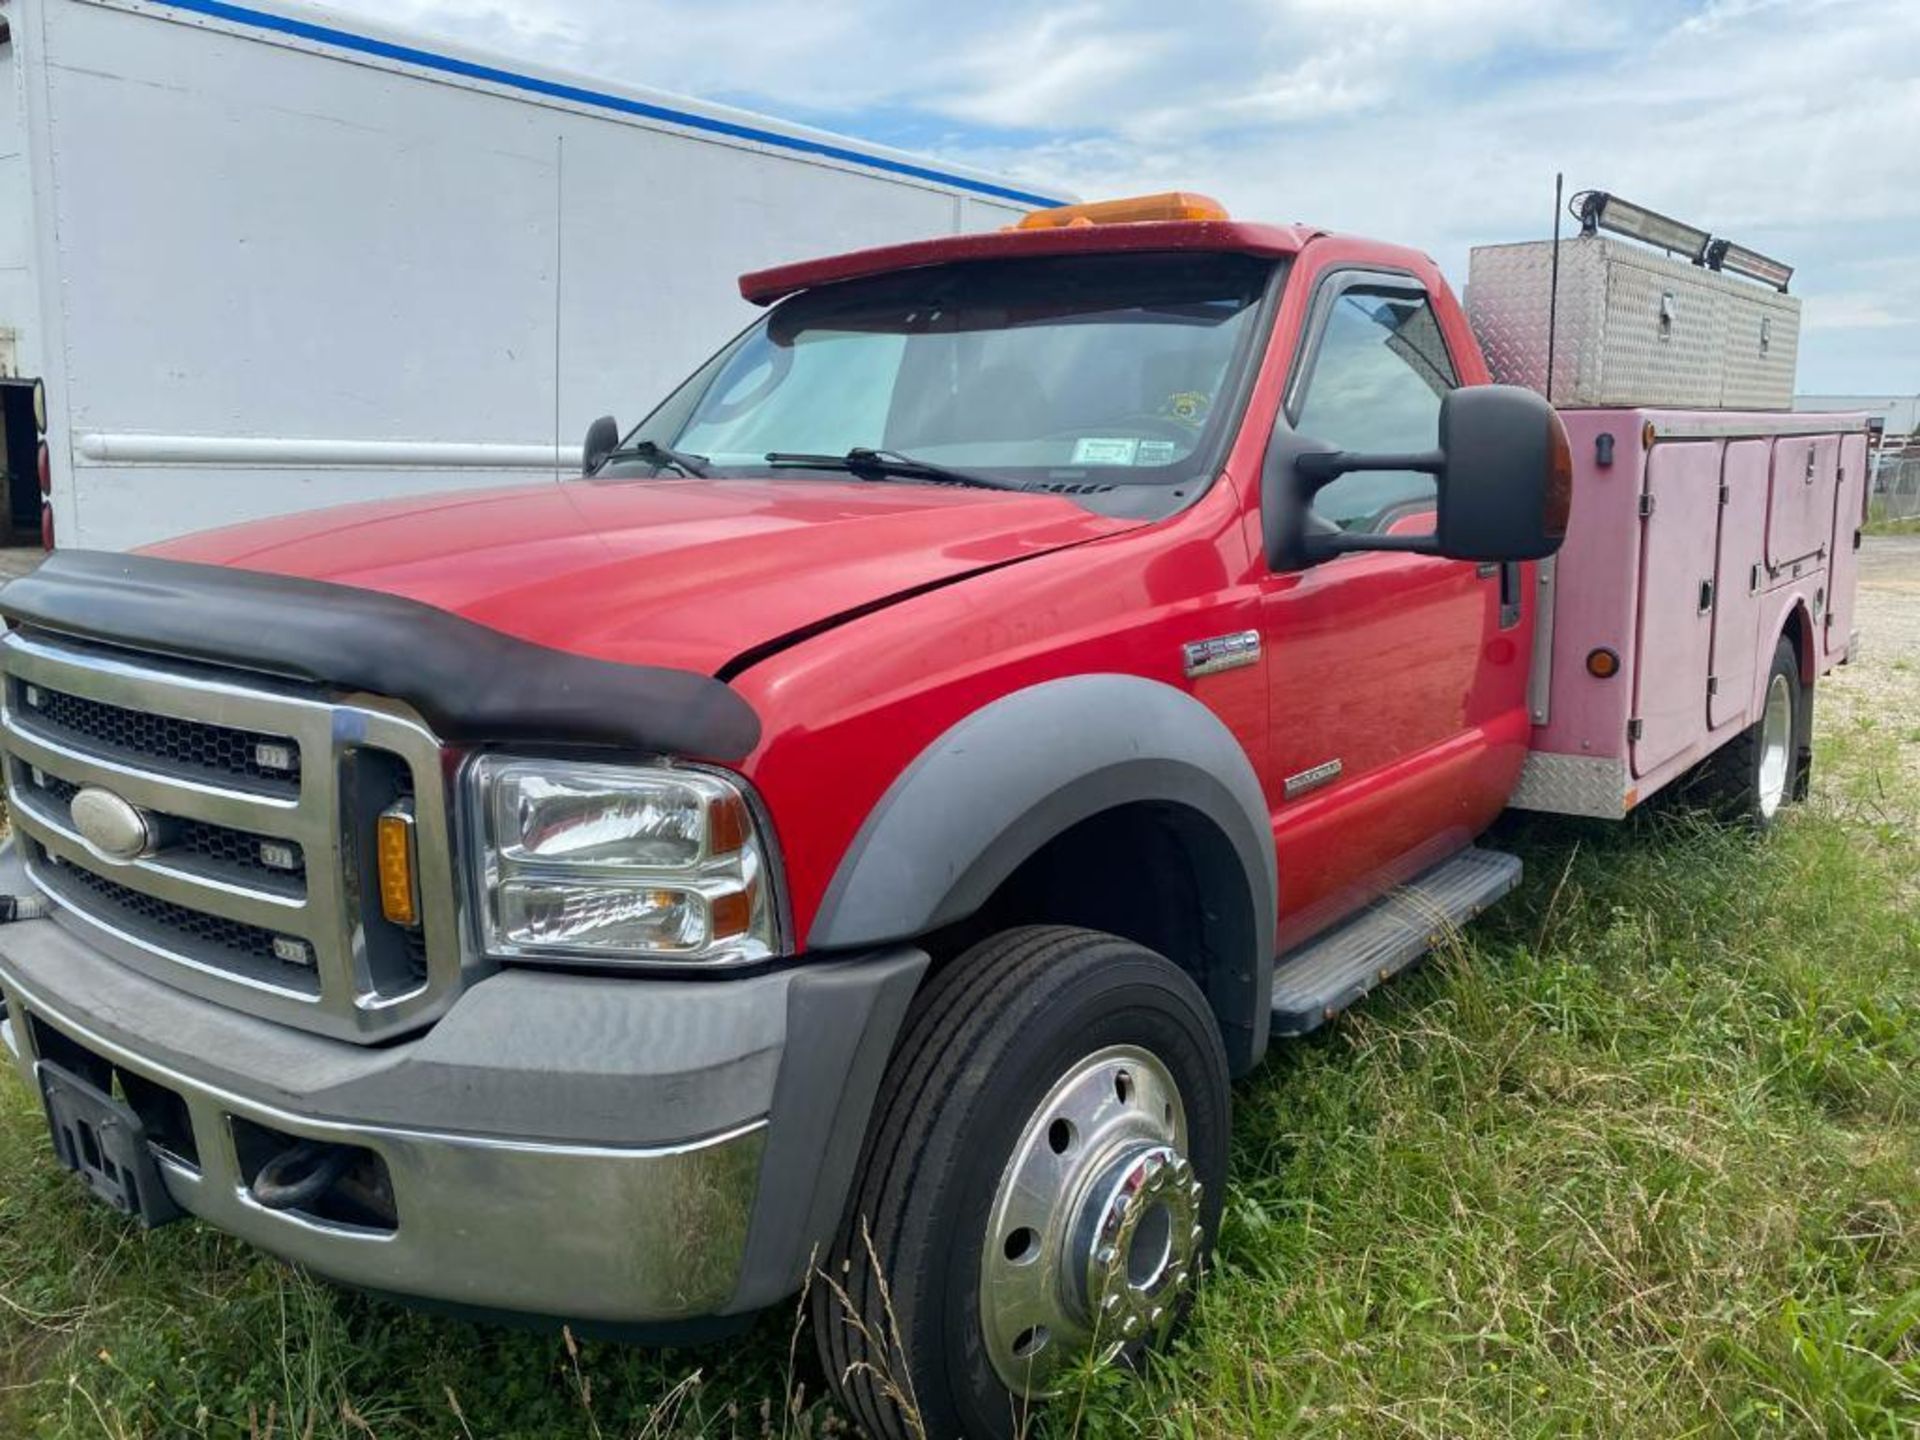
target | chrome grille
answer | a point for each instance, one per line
(164, 740)
(277, 863)
(258, 891)
(245, 949)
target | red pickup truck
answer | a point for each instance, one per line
(860, 828)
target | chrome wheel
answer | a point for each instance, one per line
(1094, 1232)
(1776, 746)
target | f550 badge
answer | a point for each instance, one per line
(1221, 652)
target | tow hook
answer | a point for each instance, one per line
(301, 1174)
(23, 907)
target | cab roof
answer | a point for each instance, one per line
(763, 287)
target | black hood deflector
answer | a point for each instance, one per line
(471, 684)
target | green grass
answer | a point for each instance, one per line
(1639, 1156)
(1881, 522)
(1908, 526)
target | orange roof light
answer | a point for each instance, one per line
(1172, 205)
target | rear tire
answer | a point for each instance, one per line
(1064, 1087)
(1757, 775)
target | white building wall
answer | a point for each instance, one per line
(17, 305)
(271, 237)
(1901, 412)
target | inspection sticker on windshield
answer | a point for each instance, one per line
(1155, 452)
(1091, 450)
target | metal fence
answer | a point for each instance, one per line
(1896, 486)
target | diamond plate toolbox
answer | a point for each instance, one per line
(1635, 327)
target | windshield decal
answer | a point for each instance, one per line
(1104, 450)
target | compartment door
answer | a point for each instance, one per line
(1675, 631)
(1843, 578)
(1737, 577)
(1662, 341)
(1763, 346)
(1800, 511)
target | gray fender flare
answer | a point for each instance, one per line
(998, 785)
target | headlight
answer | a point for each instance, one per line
(616, 863)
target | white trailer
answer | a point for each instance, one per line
(266, 259)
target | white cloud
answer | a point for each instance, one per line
(1856, 310)
(1789, 124)
(1077, 66)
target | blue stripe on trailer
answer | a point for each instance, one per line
(579, 95)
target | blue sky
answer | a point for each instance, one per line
(1792, 126)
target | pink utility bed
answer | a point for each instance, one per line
(1697, 539)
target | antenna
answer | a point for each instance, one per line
(1553, 285)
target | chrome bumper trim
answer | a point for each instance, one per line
(624, 1235)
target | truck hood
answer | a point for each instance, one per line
(691, 574)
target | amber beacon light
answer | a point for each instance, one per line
(1170, 205)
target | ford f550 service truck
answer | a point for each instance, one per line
(860, 827)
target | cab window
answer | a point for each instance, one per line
(1377, 377)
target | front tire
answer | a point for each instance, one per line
(1042, 1183)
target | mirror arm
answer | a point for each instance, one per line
(1325, 547)
(1320, 468)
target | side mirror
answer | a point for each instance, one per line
(1507, 485)
(603, 438)
(1504, 473)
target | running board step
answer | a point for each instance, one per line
(1316, 982)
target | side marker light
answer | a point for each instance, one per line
(399, 895)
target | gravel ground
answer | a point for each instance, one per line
(1879, 693)
(17, 561)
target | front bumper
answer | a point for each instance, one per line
(624, 1151)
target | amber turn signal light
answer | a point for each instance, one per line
(1559, 506)
(1603, 664)
(732, 915)
(399, 895)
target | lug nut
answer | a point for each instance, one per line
(1131, 1327)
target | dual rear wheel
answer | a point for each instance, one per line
(1758, 774)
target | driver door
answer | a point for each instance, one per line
(1386, 669)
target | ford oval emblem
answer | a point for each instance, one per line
(109, 824)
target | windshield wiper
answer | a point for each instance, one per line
(654, 453)
(862, 461)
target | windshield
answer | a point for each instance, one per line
(1116, 369)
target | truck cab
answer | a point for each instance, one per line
(849, 838)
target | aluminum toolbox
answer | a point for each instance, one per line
(1635, 327)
